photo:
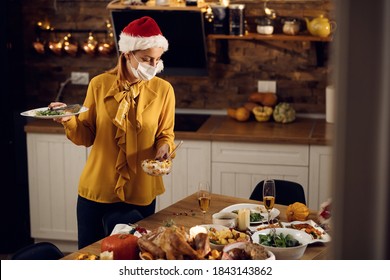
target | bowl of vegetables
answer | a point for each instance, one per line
(285, 243)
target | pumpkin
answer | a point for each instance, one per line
(262, 113)
(250, 105)
(264, 98)
(231, 112)
(242, 114)
(297, 212)
(284, 113)
(123, 246)
(239, 114)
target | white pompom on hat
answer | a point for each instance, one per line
(142, 34)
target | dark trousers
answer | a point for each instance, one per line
(90, 214)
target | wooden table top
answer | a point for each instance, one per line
(186, 213)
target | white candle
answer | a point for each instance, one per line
(243, 219)
(330, 98)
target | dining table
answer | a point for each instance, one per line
(186, 213)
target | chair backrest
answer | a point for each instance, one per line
(287, 192)
(38, 251)
(111, 219)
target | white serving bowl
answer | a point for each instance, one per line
(242, 245)
(288, 253)
(156, 167)
(227, 219)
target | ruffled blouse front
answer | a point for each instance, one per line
(126, 135)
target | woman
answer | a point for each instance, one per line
(130, 118)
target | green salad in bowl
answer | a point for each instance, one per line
(285, 243)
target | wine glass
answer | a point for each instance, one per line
(269, 196)
(204, 197)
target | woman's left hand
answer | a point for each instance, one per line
(163, 152)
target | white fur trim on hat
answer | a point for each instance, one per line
(133, 43)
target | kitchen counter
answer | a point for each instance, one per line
(223, 128)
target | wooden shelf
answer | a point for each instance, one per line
(275, 37)
(151, 5)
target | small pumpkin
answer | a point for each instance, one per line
(240, 114)
(250, 105)
(262, 113)
(297, 212)
(264, 98)
(284, 113)
(123, 246)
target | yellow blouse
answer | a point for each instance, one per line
(113, 170)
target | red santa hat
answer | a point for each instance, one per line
(142, 34)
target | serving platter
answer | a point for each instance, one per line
(254, 208)
(322, 237)
(34, 113)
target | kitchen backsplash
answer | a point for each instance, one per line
(300, 68)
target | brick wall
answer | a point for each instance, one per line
(300, 68)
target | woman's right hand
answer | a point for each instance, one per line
(58, 105)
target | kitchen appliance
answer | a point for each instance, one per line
(221, 19)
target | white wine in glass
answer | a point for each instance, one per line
(204, 197)
(269, 196)
(269, 202)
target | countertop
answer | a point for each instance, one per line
(223, 128)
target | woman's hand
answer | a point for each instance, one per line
(162, 152)
(58, 105)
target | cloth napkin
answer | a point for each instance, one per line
(124, 229)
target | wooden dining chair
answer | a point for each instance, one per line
(287, 192)
(38, 251)
(111, 219)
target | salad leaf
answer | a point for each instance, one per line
(278, 240)
(253, 217)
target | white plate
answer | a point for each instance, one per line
(254, 208)
(33, 113)
(325, 237)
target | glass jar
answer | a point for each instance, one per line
(237, 19)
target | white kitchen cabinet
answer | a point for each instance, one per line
(238, 167)
(191, 165)
(320, 175)
(54, 168)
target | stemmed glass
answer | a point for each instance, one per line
(269, 196)
(204, 197)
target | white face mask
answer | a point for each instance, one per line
(144, 71)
